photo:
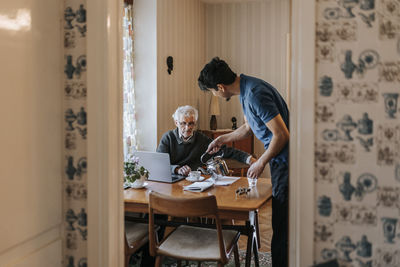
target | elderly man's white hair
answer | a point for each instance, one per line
(185, 111)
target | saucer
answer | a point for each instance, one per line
(142, 186)
(190, 179)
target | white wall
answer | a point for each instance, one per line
(180, 34)
(31, 136)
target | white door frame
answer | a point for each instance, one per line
(105, 153)
(301, 187)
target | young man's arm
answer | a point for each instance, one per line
(240, 133)
(280, 137)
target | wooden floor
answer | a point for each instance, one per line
(265, 220)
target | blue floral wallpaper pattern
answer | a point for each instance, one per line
(357, 146)
(75, 134)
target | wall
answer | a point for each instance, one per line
(180, 34)
(31, 135)
(357, 174)
(251, 36)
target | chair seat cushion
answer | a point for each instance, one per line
(195, 243)
(136, 232)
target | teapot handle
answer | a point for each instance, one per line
(210, 156)
(202, 156)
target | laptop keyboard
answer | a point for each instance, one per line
(177, 176)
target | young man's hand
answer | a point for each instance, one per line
(252, 160)
(255, 169)
(215, 145)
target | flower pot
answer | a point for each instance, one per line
(139, 183)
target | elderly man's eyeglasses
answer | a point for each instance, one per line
(189, 124)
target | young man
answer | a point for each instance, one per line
(185, 145)
(267, 115)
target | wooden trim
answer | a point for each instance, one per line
(301, 187)
(105, 153)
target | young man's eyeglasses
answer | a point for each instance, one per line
(189, 124)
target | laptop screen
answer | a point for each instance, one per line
(158, 164)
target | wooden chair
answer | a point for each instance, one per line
(136, 236)
(187, 242)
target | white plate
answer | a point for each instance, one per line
(138, 187)
(191, 179)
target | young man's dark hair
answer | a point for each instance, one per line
(215, 72)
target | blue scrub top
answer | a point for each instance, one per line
(261, 102)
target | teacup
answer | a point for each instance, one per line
(194, 175)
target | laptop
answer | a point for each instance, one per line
(158, 165)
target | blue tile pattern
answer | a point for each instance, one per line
(75, 134)
(357, 146)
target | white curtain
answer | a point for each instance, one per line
(129, 114)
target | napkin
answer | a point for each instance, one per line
(226, 180)
(199, 186)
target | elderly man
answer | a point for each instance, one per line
(185, 145)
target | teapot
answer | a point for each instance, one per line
(215, 166)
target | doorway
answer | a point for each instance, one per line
(105, 151)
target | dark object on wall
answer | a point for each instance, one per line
(170, 64)
(213, 122)
(331, 263)
(234, 126)
(214, 111)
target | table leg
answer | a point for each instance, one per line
(257, 228)
(252, 242)
(255, 251)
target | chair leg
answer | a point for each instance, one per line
(250, 240)
(199, 264)
(255, 251)
(219, 264)
(236, 255)
(158, 261)
(179, 264)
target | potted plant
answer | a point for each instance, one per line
(135, 175)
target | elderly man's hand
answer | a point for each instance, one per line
(184, 170)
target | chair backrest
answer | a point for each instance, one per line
(184, 207)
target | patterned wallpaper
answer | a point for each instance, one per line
(75, 132)
(357, 146)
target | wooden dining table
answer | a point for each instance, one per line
(242, 207)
